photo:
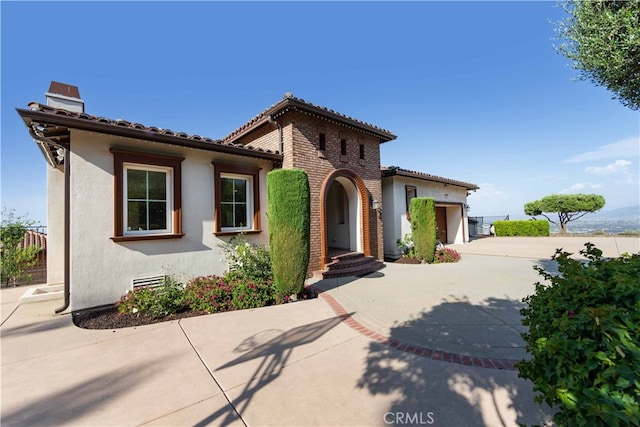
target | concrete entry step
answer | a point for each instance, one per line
(349, 264)
(42, 293)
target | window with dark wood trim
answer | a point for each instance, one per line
(322, 141)
(410, 192)
(236, 198)
(361, 151)
(147, 196)
(343, 147)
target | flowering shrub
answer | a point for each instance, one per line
(247, 284)
(246, 260)
(583, 339)
(446, 255)
(247, 294)
(406, 246)
(156, 302)
(214, 294)
(211, 294)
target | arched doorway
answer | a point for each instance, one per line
(344, 215)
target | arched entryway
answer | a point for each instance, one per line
(344, 215)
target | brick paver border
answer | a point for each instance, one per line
(461, 359)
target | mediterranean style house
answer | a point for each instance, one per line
(129, 203)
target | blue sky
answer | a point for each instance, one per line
(473, 90)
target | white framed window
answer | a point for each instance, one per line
(236, 207)
(148, 196)
(236, 198)
(147, 199)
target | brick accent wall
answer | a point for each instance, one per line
(301, 151)
(300, 138)
(266, 138)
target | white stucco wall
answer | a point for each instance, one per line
(102, 270)
(396, 225)
(55, 225)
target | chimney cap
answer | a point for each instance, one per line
(64, 89)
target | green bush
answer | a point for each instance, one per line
(422, 211)
(534, 227)
(246, 260)
(14, 259)
(289, 228)
(583, 338)
(166, 299)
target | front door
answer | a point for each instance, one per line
(441, 223)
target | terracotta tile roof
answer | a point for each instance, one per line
(43, 114)
(291, 103)
(397, 171)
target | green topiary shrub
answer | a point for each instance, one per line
(289, 228)
(535, 227)
(583, 338)
(422, 211)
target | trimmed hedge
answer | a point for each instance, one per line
(422, 211)
(289, 213)
(535, 227)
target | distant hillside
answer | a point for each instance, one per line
(626, 212)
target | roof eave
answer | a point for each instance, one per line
(394, 172)
(293, 104)
(110, 129)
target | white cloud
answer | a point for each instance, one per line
(580, 186)
(575, 187)
(615, 167)
(629, 147)
(488, 191)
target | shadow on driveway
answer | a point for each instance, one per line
(273, 348)
(439, 393)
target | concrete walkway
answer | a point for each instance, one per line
(305, 363)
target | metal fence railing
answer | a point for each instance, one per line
(481, 225)
(36, 274)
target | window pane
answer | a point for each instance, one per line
(241, 215)
(137, 216)
(157, 215)
(226, 185)
(157, 185)
(226, 215)
(136, 184)
(240, 190)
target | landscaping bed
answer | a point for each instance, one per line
(110, 318)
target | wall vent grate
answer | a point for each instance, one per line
(148, 282)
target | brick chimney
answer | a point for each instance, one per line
(67, 97)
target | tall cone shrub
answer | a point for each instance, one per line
(422, 211)
(289, 228)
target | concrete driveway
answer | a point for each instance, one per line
(411, 344)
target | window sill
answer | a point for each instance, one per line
(235, 233)
(322, 154)
(147, 237)
(343, 158)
